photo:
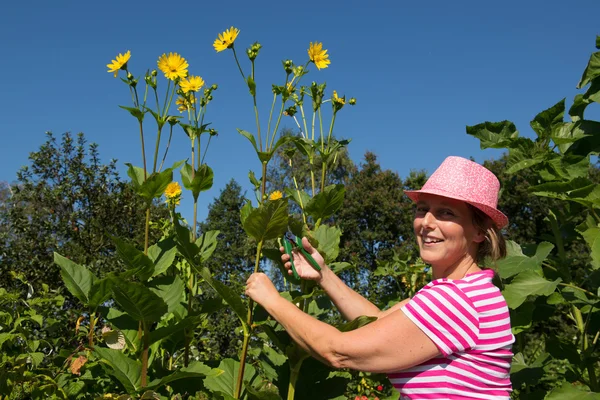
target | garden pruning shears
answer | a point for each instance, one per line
(289, 242)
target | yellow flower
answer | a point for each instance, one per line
(339, 100)
(192, 83)
(185, 104)
(226, 39)
(119, 63)
(276, 195)
(172, 192)
(173, 65)
(318, 56)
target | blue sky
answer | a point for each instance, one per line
(421, 72)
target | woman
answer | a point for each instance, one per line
(453, 339)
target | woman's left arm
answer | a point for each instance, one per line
(388, 344)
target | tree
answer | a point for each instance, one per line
(69, 202)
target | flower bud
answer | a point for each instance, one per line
(130, 76)
(154, 73)
(288, 66)
(209, 98)
(213, 132)
(214, 86)
(352, 101)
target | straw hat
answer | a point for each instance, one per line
(462, 179)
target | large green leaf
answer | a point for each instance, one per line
(126, 370)
(543, 122)
(497, 135)
(170, 289)
(356, 323)
(522, 372)
(136, 112)
(136, 174)
(138, 263)
(202, 178)
(515, 263)
(100, 291)
(78, 279)
(185, 246)
(207, 243)
(329, 241)
(300, 197)
(569, 391)
(196, 370)
(127, 325)
(527, 283)
(166, 331)
(162, 255)
(138, 301)
(326, 203)
(592, 71)
(592, 238)
(229, 295)
(268, 221)
(155, 185)
(226, 381)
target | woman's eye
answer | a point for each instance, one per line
(448, 213)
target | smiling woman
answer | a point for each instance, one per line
(453, 339)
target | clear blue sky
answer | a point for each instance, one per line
(421, 72)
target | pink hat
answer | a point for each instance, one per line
(462, 179)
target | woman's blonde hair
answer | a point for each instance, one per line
(493, 248)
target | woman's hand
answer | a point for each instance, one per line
(260, 289)
(303, 267)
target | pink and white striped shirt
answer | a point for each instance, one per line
(468, 321)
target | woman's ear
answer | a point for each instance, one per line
(480, 237)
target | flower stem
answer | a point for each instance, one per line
(271, 113)
(294, 374)
(145, 354)
(277, 124)
(186, 357)
(238, 64)
(167, 149)
(92, 329)
(147, 231)
(238, 386)
(166, 97)
(143, 149)
(156, 150)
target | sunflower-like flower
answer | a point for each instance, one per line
(173, 66)
(338, 100)
(276, 195)
(119, 63)
(184, 104)
(173, 193)
(226, 39)
(318, 56)
(191, 84)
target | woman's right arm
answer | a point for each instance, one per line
(349, 303)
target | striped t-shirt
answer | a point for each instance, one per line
(468, 321)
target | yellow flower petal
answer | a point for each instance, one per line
(276, 195)
(173, 66)
(119, 63)
(173, 190)
(318, 56)
(226, 39)
(191, 84)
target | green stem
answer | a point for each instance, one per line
(168, 105)
(143, 149)
(145, 354)
(303, 121)
(147, 231)
(271, 113)
(277, 124)
(238, 64)
(166, 97)
(92, 329)
(294, 374)
(186, 357)
(240, 378)
(167, 149)
(156, 150)
(578, 288)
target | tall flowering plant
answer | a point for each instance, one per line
(270, 219)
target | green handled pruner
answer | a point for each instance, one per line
(289, 242)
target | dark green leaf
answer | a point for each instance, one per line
(521, 318)
(592, 238)
(207, 243)
(562, 350)
(569, 391)
(496, 135)
(137, 262)
(166, 331)
(138, 114)
(329, 241)
(251, 85)
(78, 279)
(326, 203)
(226, 381)
(246, 211)
(356, 323)
(138, 301)
(268, 221)
(202, 179)
(592, 70)
(543, 123)
(195, 370)
(156, 184)
(229, 296)
(300, 197)
(126, 370)
(250, 137)
(162, 255)
(100, 292)
(136, 174)
(170, 289)
(523, 164)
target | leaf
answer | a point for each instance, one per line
(207, 243)
(126, 324)
(166, 331)
(229, 296)
(329, 241)
(114, 339)
(253, 179)
(77, 278)
(514, 264)
(526, 284)
(543, 122)
(137, 113)
(72, 389)
(356, 323)
(162, 255)
(126, 370)
(196, 369)
(155, 185)
(138, 263)
(245, 211)
(136, 174)
(300, 197)
(592, 70)
(202, 179)
(521, 318)
(268, 221)
(497, 135)
(562, 350)
(100, 292)
(524, 164)
(568, 391)
(326, 203)
(250, 137)
(592, 238)
(170, 289)
(226, 381)
(251, 85)
(138, 301)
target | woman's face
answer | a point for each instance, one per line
(445, 232)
